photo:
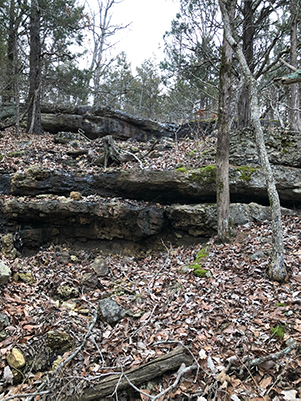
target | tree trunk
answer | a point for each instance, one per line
(34, 125)
(11, 44)
(243, 107)
(294, 114)
(222, 146)
(277, 269)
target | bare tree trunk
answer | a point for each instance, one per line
(34, 125)
(243, 107)
(101, 35)
(222, 147)
(277, 270)
(11, 42)
(294, 114)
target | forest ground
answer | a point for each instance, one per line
(229, 321)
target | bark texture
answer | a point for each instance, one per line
(277, 270)
(223, 140)
(142, 374)
(34, 125)
(243, 107)
(294, 115)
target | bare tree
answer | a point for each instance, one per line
(34, 125)
(102, 31)
(277, 269)
(222, 146)
(294, 114)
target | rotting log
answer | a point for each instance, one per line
(102, 389)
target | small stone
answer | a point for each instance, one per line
(66, 292)
(15, 359)
(110, 311)
(64, 258)
(90, 280)
(5, 273)
(59, 340)
(8, 248)
(4, 321)
(76, 195)
(74, 258)
(69, 304)
(257, 255)
(100, 267)
(26, 278)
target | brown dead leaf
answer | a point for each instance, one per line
(266, 382)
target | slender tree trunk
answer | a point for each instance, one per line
(11, 43)
(222, 147)
(243, 107)
(277, 270)
(34, 125)
(294, 114)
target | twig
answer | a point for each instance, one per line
(291, 67)
(182, 370)
(141, 327)
(70, 357)
(82, 133)
(11, 397)
(277, 355)
(151, 148)
(138, 160)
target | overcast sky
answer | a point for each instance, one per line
(150, 20)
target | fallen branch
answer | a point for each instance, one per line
(157, 367)
(181, 372)
(273, 357)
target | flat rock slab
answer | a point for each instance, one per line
(96, 218)
(247, 184)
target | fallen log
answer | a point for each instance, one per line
(102, 389)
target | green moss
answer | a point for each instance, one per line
(182, 169)
(201, 272)
(245, 172)
(192, 153)
(202, 253)
(210, 151)
(204, 174)
(278, 331)
(1, 157)
(279, 304)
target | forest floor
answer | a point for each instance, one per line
(243, 330)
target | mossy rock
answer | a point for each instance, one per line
(205, 174)
(26, 278)
(59, 340)
(246, 172)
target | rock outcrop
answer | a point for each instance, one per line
(96, 218)
(247, 184)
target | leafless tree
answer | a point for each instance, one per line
(277, 269)
(103, 31)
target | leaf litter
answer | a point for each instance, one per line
(225, 320)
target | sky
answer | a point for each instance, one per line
(149, 19)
